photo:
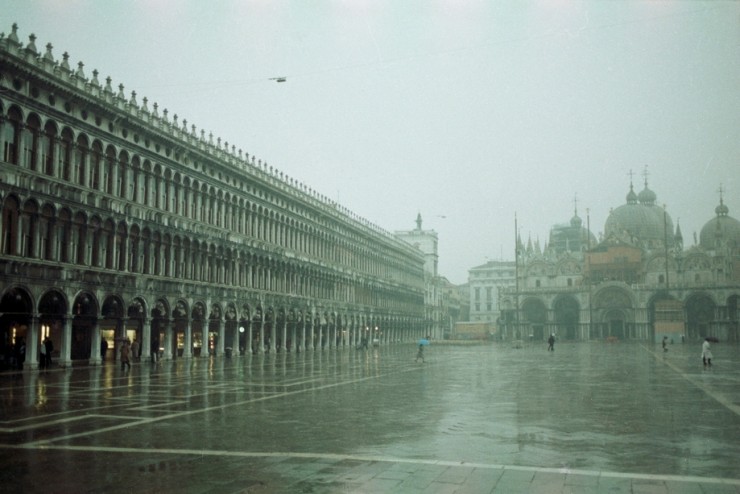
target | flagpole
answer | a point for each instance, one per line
(516, 273)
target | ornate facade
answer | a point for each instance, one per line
(121, 221)
(638, 282)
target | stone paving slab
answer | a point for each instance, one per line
(589, 417)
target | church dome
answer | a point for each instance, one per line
(571, 237)
(641, 222)
(721, 230)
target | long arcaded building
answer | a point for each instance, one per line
(121, 222)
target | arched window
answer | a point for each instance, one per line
(96, 233)
(47, 148)
(62, 235)
(79, 240)
(122, 188)
(46, 234)
(28, 230)
(30, 142)
(96, 161)
(121, 247)
(109, 170)
(64, 159)
(107, 241)
(11, 133)
(80, 161)
(10, 226)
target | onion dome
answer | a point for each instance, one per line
(722, 230)
(646, 196)
(571, 237)
(576, 222)
(631, 196)
(640, 221)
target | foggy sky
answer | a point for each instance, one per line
(465, 112)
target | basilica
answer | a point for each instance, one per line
(637, 282)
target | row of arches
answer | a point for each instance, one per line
(109, 171)
(182, 328)
(59, 234)
(614, 312)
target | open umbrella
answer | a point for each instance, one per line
(712, 339)
(423, 341)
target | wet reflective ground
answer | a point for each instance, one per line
(589, 417)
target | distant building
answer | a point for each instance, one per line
(437, 320)
(638, 282)
(119, 221)
(485, 282)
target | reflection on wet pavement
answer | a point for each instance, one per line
(469, 416)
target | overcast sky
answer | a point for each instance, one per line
(465, 112)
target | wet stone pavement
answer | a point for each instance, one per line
(587, 418)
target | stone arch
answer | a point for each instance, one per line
(53, 308)
(16, 309)
(700, 310)
(198, 324)
(612, 312)
(136, 318)
(566, 311)
(534, 319)
(85, 310)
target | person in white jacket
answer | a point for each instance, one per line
(706, 353)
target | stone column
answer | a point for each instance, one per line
(273, 342)
(284, 335)
(301, 343)
(220, 343)
(205, 347)
(146, 338)
(167, 339)
(32, 344)
(187, 349)
(95, 344)
(236, 337)
(310, 316)
(65, 353)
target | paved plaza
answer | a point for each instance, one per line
(587, 418)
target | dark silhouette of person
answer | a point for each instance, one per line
(155, 349)
(103, 348)
(551, 343)
(20, 353)
(125, 355)
(49, 347)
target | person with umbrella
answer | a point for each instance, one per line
(420, 353)
(706, 353)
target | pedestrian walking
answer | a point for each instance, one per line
(49, 346)
(665, 344)
(125, 355)
(551, 343)
(155, 350)
(103, 348)
(42, 355)
(706, 353)
(420, 352)
(19, 352)
(135, 350)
